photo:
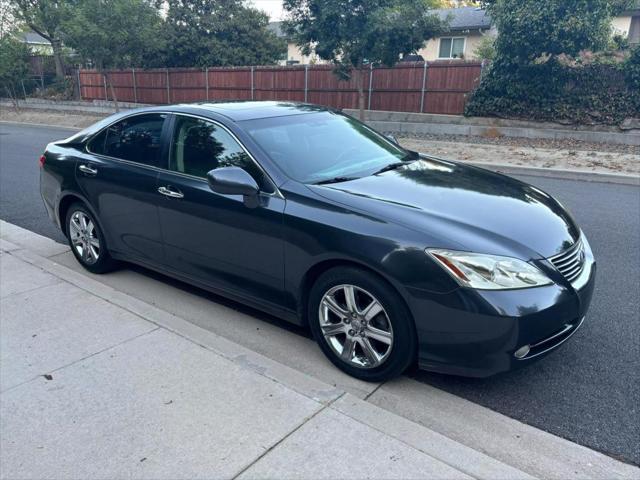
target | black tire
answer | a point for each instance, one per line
(103, 263)
(403, 344)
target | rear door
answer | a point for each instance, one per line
(220, 239)
(119, 176)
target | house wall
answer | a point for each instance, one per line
(621, 25)
(294, 53)
(432, 48)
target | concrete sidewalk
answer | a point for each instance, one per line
(96, 383)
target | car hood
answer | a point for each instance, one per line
(462, 207)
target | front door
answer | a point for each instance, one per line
(219, 239)
(118, 176)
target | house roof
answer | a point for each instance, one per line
(465, 18)
(33, 38)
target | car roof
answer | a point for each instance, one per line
(250, 110)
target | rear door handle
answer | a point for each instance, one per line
(170, 192)
(86, 169)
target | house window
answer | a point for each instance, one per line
(451, 47)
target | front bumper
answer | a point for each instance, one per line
(478, 333)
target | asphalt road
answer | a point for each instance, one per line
(588, 391)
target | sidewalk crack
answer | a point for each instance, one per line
(279, 442)
(106, 349)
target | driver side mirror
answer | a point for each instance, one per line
(232, 181)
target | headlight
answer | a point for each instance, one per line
(489, 272)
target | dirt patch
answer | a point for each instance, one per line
(46, 117)
(516, 154)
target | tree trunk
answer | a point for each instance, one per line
(113, 92)
(13, 97)
(56, 45)
(360, 73)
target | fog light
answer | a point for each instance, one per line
(522, 352)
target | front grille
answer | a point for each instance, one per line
(570, 262)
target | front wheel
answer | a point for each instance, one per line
(361, 324)
(87, 241)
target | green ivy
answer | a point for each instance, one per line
(544, 68)
(596, 93)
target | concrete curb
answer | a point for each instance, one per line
(577, 175)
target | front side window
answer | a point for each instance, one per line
(200, 146)
(451, 47)
(137, 139)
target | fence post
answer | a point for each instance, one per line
(168, 87)
(252, 84)
(370, 84)
(135, 87)
(424, 86)
(306, 82)
(104, 81)
(79, 84)
(206, 80)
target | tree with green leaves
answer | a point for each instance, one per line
(535, 74)
(114, 34)
(208, 33)
(45, 17)
(355, 33)
(530, 29)
(14, 65)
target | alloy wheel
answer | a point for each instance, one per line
(84, 237)
(356, 326)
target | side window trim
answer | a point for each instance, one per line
(276, 192)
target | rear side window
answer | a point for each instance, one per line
(136, 139)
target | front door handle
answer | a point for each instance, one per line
(86, 169)
(170, 192)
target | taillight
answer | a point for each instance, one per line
(42, 160)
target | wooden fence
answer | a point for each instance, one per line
(428, 87)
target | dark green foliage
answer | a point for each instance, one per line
(114, 33)
(14, 63)
(351, 33)
(201, 33)
(596, 93)
(543, 69)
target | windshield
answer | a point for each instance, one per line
(321, 146)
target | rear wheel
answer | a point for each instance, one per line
(87, 241)
(361, 324)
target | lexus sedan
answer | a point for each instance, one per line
(390, 257)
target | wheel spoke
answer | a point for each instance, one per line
(348, 349)
(373, 309)
(93, 252)
(377, 334)
(332, 329)
(94, 242)
(83, 221)
(372, 356)
(90, 227)
(350, 298)
(74, 227)
(331, 304)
